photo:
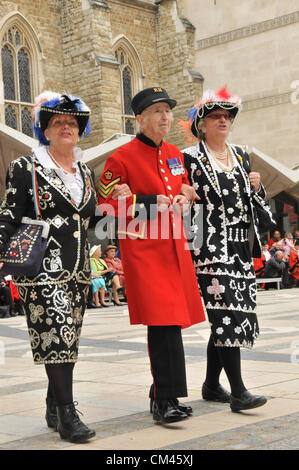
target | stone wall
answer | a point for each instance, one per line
(175, 40)
(77, 41)
(252, 47)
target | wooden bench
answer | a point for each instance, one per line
(267, 280)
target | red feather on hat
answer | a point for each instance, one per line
(223, 94)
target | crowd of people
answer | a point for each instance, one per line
(279, 259)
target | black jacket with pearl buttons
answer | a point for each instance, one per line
(67, 253)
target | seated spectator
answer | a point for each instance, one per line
(110, 276)
(6, 294)
(277, 266)
(287, 243)
(114, 262)
(259, 263)
(97, 280)
(294, 265)
(276, 237)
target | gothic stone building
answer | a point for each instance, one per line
(107, 50)
(103, 50)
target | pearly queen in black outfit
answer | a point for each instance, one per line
(220, 247)
(54, 300)
(226, 238)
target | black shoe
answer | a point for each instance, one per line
(51, 413)
(92, 305)
(104, 305)
(219, 394)
(182, 407)
(246, 401)
(118, 304)
(165, 412)
(70, 426)
(175, 402)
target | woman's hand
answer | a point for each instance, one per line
(181, 204)
(121, 191)
(1, 265)
(255, 180)
(189, 192)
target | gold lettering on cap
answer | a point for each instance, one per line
(157, 90)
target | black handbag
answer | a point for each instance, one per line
(25, 249)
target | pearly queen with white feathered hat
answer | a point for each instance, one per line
(49, 103)
(210, 101)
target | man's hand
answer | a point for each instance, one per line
(121, 191)
(189, 192)
(163, 202)
(255, 180)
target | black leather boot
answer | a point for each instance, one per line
(165, 412)
(218, 394)
(246, 401)
(70, 426)
(51, 413)
(175, 402)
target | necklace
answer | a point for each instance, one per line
(219, 155)
(58, 164)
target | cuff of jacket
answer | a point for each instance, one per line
(145, 205)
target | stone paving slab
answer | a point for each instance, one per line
(112, 380)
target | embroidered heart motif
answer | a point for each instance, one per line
(68, 335)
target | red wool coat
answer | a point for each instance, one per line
(160, 280)
(294, 264)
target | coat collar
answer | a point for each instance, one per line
(51, 173)
(211, 173)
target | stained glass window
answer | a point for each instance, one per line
(27, 122)
(127, 91)
(16, 75)
(24, 76)
(129, 126)
(10, 36)
(126, 82)
(18, 39)
(10, 117)
(8, 74)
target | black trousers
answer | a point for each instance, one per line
(5, 291)
(167, 358)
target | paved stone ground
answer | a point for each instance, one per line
(112, 380)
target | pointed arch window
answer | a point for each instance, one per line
(127, 91)
(16, 64)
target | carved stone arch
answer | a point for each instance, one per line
(135, 62)
(22, 30)
(32, 46)
(131, 78)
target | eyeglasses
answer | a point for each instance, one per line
(215, 116)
